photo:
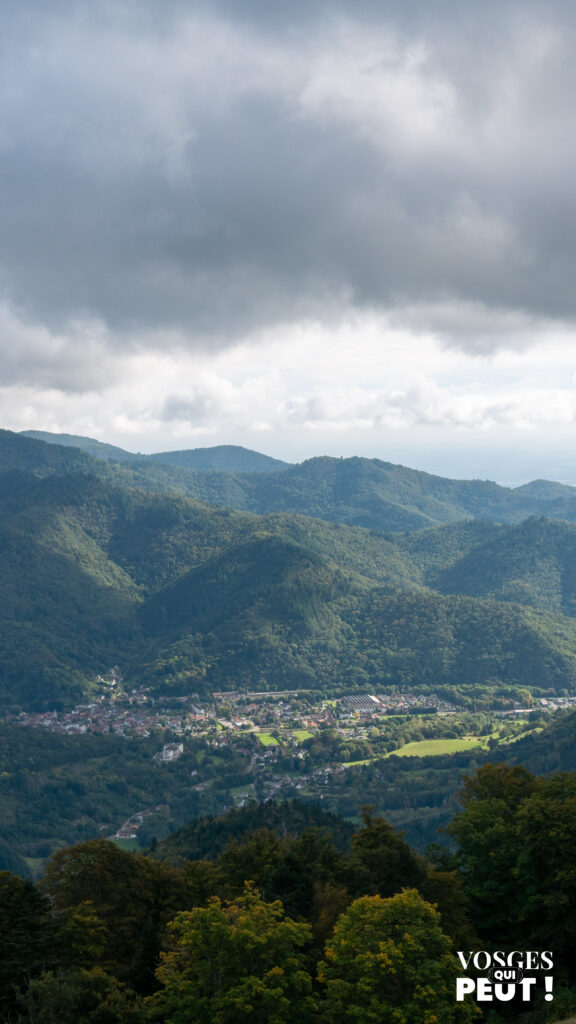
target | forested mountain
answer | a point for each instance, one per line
(533, 563)
(207, 837)
(109, 936)
(229, 458)
(185, 597)
(99, 449)
(361, 492)
(339, 576)
(190, 597)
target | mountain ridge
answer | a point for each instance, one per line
(371, 493)
(190, 597)
(227, 458)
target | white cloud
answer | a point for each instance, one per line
(349, 225)
(363, 381)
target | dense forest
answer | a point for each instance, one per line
(283, 913)
(362, 492)
(189, 597)
(197, 572)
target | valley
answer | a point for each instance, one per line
(231, 668)
(252, 608)
(134, 767)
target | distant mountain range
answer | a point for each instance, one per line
(226, 458)
(109, 562)
(361, 492)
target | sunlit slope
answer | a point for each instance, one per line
(183, 595)
(362, 492)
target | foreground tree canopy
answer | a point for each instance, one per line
(390, 961)
(517, 860)
(240, 960)
(291, 928)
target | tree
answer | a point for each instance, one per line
(517, 836)
(546, 868)
(487, 833)
(82, 937)
(91, 997)
(251, 858)
(128, 898)
(383, 859)
(284, 868)
(389, 962)
(26, 937)
(234, 961)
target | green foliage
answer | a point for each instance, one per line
(26, 938)
(517, 850)
(229, 458)
(209, 836)
(189, 598)
(366, 492)
(389, 962)
(234, 961)
(248, 927)
(125, 899)
(546, 866)
(487, 836)
(57, 790)
(532, 564)
(226, 458)
(89, 997)
(386, 861)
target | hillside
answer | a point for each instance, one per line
(89, 445)
(23, 453)
(184, 596)
(360, 492)
(533, 564)
(228, 458)
(208, 837)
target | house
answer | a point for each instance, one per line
(169, 752)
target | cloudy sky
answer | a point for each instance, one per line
(323, 226)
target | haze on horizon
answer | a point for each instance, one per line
(318, 228)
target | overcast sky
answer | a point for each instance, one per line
(322, 226)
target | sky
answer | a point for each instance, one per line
(340, 227)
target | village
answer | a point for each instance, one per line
(232, 747)
(141, 714)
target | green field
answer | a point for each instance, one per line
(267, 740)
(129, 845)
(522, 735)
(427, 748)
(239, 790)
(301, 734)
(432, 748)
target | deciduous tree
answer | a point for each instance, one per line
(234, 961)
(81, 997)
(389, 962)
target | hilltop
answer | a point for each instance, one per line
(228, 458)
(189, 596)
(372, 493)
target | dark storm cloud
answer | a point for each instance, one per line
(215, 168)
